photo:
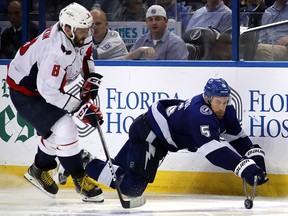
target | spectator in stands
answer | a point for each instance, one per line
(131, 10)
(274, 40)
(159, 43)
(214, 14)
(176, 11)
(11, 38)
(107, 44)
(251, 13)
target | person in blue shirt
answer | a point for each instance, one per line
(195, 124)
(215, 14)
(274, 40)
(159, 43)
(251, 13)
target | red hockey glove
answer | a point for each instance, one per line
(89, 113)
(90, 87)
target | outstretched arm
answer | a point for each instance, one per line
(225, 158)
(141, 53)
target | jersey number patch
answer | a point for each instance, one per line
(55, 71)
(205, 130)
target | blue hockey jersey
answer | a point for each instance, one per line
(192, 125)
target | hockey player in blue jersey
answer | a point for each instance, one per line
(195, 124)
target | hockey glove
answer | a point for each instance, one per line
(90, 87)
(257, 154)
(89, 113)
(247, 169)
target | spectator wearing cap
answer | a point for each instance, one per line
(158, 43)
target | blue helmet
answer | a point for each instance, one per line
(217, 87)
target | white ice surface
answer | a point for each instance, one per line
(30, 201)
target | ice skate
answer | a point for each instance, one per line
(89, 191)
(42, 180)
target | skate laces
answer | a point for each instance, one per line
(46, 178)
(86, 184)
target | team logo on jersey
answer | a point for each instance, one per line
(105, 46)
(112, 34)
(67, 52)
(205, 110)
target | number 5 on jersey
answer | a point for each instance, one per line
(205, 130)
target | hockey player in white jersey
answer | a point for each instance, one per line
(37, 76)
(196, 125)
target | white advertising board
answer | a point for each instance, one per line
(260, 96)
(130, 31)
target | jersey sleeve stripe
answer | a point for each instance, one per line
(211, 146)
(163, 125)
(230, 137)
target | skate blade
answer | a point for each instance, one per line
(95, 199)
(36, 184)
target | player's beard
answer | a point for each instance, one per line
(220, 115)
(79, 42)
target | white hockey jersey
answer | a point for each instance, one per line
(112, 47)
(46, 64)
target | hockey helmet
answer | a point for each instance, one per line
(76, 16)
(217, 87)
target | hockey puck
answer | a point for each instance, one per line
(248, 204)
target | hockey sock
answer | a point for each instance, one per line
(73, 165)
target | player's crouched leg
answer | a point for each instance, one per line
(133, 186)
(130, 185)
(100, 171)
(142, 153)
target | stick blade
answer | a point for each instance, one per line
(133, 202)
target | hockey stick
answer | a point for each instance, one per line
(132, 202)
(248, 203)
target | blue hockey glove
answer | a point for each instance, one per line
(247, 169)
(89, 113)
(90, 87)
(257, 154)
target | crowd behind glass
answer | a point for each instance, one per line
(214, 43)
